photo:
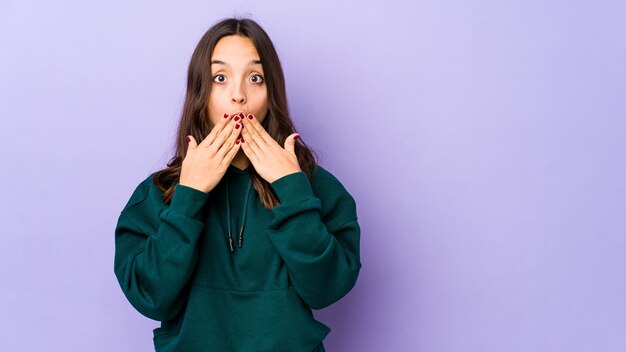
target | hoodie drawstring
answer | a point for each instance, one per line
(243, 220)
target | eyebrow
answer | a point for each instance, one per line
(220, 62)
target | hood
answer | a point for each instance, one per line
(233, 172)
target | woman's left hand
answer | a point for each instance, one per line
(270, 160)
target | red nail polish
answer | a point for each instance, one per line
(242, 115)
(296, 137)
(237, 125)
(237, 142)
(242, 140)
(250, 116)
(188, 139)
(236, 118)
(225, 116)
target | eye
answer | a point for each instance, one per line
(256, 79)
(220, 78)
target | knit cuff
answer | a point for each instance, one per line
(188, 201)
(293, 188)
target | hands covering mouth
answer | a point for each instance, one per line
(206, 163)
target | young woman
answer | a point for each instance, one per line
(242, 234)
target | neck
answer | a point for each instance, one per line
(240, 160)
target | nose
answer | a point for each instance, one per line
(238, 94)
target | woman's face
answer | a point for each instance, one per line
(238, 80)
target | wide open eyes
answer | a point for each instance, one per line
(219, 78)
(254, 78)
(258, 79)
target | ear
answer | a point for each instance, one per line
(290, 143)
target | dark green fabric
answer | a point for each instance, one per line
(174, 265)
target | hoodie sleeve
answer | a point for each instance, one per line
(317, 236)
(155, 249)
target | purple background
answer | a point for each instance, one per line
(484, 143)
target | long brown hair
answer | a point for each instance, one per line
(195, 118)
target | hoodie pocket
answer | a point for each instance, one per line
(228, 320)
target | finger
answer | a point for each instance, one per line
(256, 141)
(231, 154)
(216, 130)
(252, 142)
(290, 143)
(232, 127)
(257, 130)
(245, 145)
(230, 142)
(191, 143)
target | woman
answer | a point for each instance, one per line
(238, 238)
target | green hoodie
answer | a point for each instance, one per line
(174, 262)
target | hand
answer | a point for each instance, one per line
(269, 159)
(206, 163)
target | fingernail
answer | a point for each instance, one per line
(242, 115)
(237, 141)
(250, 116)
(242, 140)
(237, 125)
(188, 139)
(296, 137)
(225, 116)
(236, 118)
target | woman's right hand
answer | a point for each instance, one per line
(206, 163)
